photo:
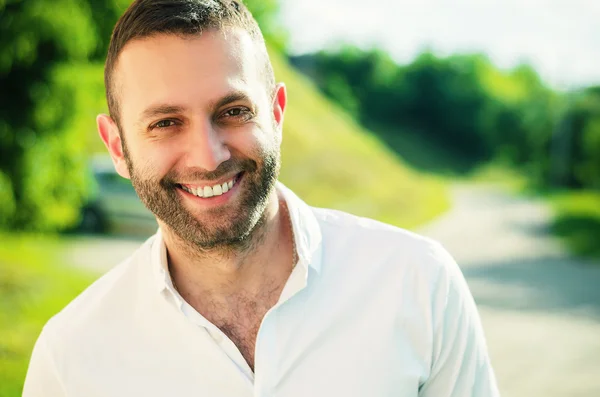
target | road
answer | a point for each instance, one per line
(540, 307)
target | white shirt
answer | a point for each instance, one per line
(369, 310)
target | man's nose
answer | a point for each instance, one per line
(207, 148)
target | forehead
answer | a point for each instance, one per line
(187, 71)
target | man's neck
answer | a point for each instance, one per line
(224, 274)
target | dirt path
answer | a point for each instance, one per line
(540, 307)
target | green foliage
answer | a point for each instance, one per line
(446, 100)
(265, 12)
(577, 221)
(588, 170)
(7, 198)
(105, 14)
(521, 119)
(429, 95)
(577, 141)
(54, 158)
(37, 36)
(355, 79)
(338, 88)
(462, 103)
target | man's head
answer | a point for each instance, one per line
(194, 107)
(185, 18)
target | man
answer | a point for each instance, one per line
(245, 290)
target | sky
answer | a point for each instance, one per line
(559, 38)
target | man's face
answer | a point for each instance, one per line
(201, 133)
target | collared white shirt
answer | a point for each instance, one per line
(369, 310)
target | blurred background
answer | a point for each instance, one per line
(474, 122)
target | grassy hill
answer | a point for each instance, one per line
(331, 161)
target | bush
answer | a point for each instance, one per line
(36, 152)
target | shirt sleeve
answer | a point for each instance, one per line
(42, 375)
(460, 364)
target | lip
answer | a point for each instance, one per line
(195, 185)
(215, 200)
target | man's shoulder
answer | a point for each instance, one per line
(356, 237)
(347, 225)
(104, 299)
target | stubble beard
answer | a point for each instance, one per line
(230, 229)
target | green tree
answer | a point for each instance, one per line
(576, 143)
(463, 103)
(446, 99)
(105, 14)
(266, 13)
(360, 81)
(520, 118)
(40, 170)
(588, 169)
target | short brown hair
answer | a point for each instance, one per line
(146, 18)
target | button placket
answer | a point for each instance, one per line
(265, 358)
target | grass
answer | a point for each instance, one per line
(577, 221)
(423, 153)
(34, 285)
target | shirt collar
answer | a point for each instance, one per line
(307, 238)
(159, 264)
(307, 232)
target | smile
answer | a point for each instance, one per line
(210, 191)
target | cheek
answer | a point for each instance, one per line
(154, 159)
(266, 133)
(261, 142)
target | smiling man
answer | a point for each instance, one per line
(245, 290)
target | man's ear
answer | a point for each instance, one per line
(111, 136)
(279, 103)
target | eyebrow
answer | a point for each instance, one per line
(165, 109)
(160, 110)
(230, 98)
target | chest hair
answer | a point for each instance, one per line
(240, 319)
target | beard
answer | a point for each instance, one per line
(229, 227)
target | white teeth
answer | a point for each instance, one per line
(210, 191)
(217, 190)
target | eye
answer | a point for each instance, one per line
(164, 124)
(239, 113)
